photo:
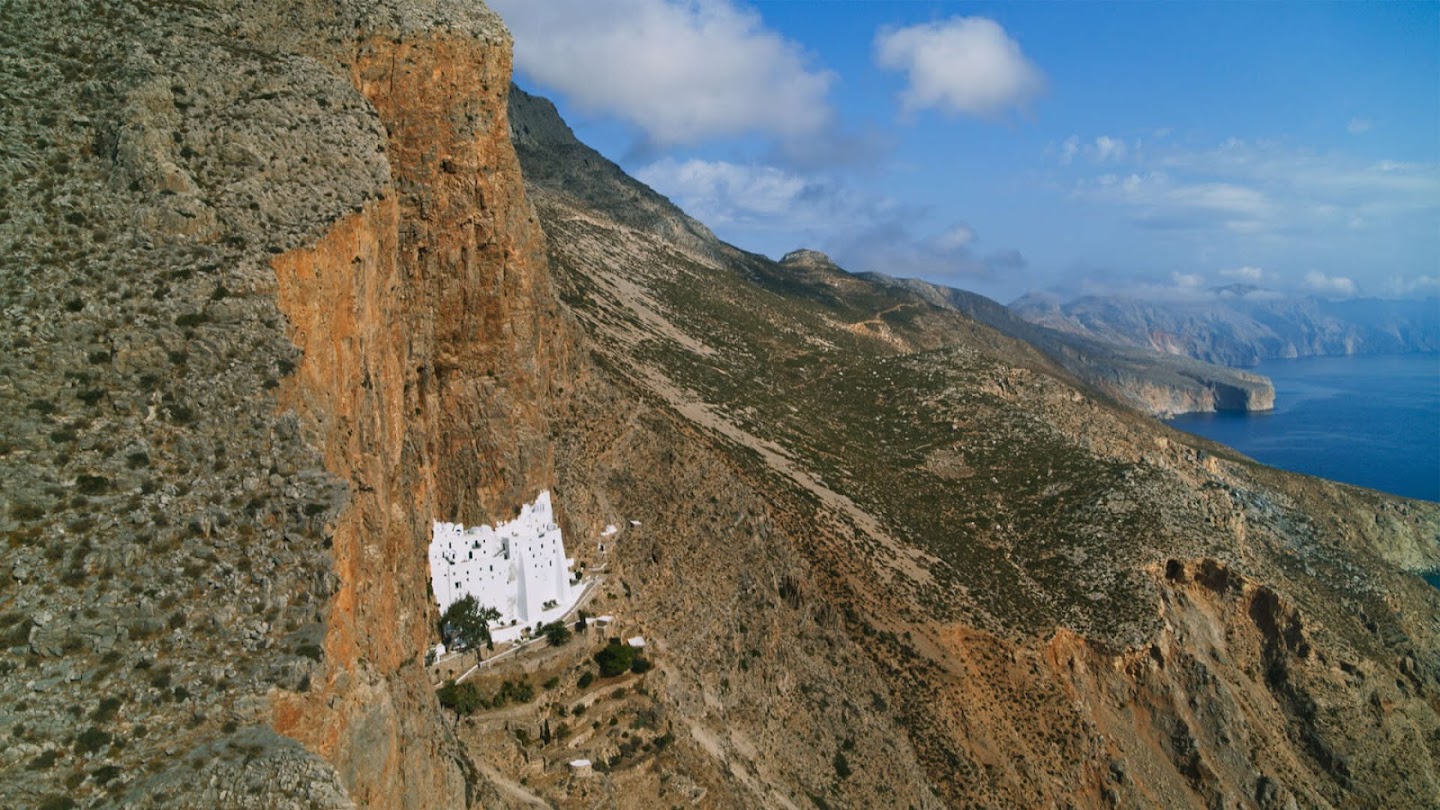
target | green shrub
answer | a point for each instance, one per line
(615, 659)
(105, 712)
(181, 414)
(640, 666)
(557, 633)
(586, 678)
(91, 740)
(26, 511)
(92, 484)
(517, 691)
(463, 698)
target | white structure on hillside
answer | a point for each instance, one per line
(517, 567)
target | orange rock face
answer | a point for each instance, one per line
(430, 341)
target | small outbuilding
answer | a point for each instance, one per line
(637, 642)
(581, 767)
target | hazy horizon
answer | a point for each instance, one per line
(1159, 149)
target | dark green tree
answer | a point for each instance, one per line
(557, 633)
(467, 623)
(615, 658)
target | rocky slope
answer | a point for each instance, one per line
(1242, 325)
(1157, 383)
(1065, 602)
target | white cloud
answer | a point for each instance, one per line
(1412, 286)
(1101, 149)
(1266, 190)
(1253, 275)
(961, 65)
(861, 231)
(1106, 149)
(1188, 281)
(1358, 126)
(683, 71)
(1159, 201)
(891, 245)
(1331, 286)
(956, 237)
(1069, 149)
(721, 193)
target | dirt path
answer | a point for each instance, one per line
(511, 788)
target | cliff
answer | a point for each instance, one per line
(293, 307)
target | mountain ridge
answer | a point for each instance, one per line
(1241, 325)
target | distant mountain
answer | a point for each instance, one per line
(1153, 381)
(1241, 325)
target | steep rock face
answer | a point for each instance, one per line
(211, 204)
(430, 340)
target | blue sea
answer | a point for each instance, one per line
(1369, 420)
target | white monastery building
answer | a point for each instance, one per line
(517, 567)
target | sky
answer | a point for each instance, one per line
(1149, 148)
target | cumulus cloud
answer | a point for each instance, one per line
(722, 193)
(1330, 286)
(862, 231)
(1252, 275)
(683, 71)
(963, 65)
